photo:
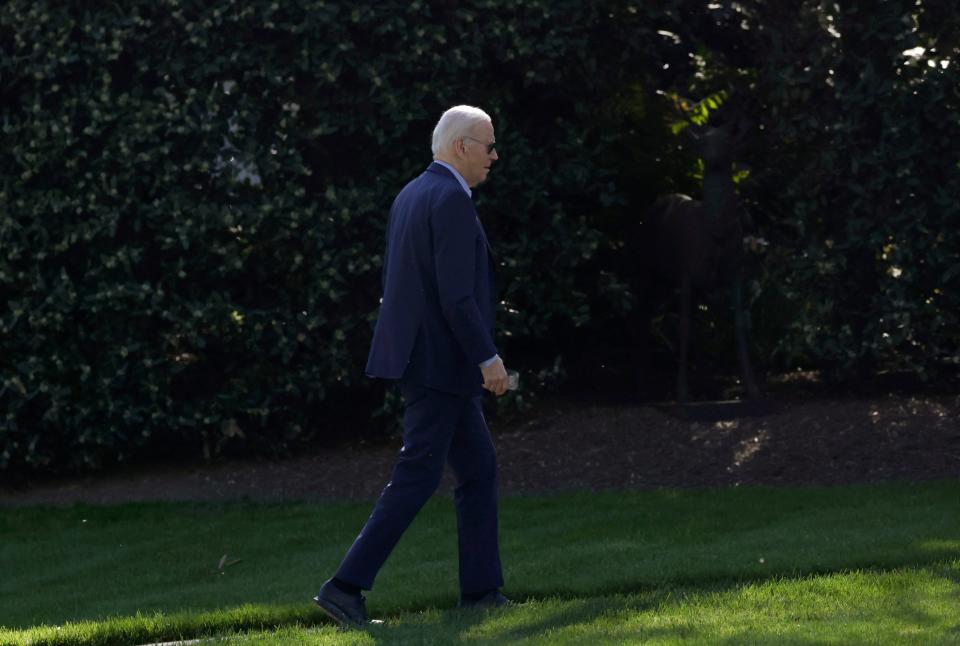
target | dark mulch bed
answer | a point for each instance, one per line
(810, 440)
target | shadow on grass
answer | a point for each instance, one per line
(879, 607)
(905, 605)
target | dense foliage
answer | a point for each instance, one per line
(865, 115)
(194, 194)
(854, 176)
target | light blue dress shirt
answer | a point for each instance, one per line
(456, 174)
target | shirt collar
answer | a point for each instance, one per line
(457, 175)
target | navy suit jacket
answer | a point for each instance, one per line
(436, 318)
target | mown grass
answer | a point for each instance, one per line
(905, 606)
(604, 566)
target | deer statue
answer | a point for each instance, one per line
(699, 245)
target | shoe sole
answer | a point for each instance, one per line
(336, 613)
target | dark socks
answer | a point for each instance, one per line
(343, 586)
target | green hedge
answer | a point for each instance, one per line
(851, 174)
(195, 196)
(858, 181)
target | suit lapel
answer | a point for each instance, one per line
(438, 168)
(483, 234)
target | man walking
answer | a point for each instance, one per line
(434, 335)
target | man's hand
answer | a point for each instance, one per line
(495, 377)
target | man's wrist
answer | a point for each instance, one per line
(489, 362)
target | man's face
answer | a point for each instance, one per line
(476, 160)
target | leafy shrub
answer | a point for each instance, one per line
(195, 197)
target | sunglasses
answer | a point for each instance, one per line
(490, 147)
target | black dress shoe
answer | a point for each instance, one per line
(492, 599)
(348, 610)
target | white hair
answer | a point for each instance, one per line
(455, 123)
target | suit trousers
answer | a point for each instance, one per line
(438, 428)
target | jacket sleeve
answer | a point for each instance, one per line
(455, 232)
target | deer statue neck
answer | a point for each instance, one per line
(719, 192)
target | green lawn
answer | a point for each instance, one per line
(840, 565)
(918, 606)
